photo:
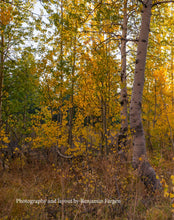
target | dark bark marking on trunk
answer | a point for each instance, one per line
(137, 61)
(121, 103)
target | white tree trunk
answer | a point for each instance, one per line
(146, 172)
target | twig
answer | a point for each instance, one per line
(62, 155)
(163, 2)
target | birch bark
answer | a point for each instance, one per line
(123, 99)
(140, 162)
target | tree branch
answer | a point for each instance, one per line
(118, 38)
(142, 2)
(62, 155)
(20, 7)
(162, 2)
(98, 5)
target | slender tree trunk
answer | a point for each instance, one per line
(124, 119)
(1, 74)
(172, 38)
(109, 85)
(154, 119)
(104, 125)
(140, 162)
(61, 66)
(172, 76)
(71, 111)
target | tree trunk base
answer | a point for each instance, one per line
(148, 176)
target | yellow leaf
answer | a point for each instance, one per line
(166, 194)
(171, 195)
(172, 177)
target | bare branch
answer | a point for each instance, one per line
(98, 5)
(62, 155)
(115, 39)
(162, 2)
(142, 2)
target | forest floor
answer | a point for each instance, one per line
(91, 187)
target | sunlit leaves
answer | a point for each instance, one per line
(6, 12)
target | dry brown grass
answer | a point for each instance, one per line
(92, 178)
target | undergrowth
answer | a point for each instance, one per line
(98, 187)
